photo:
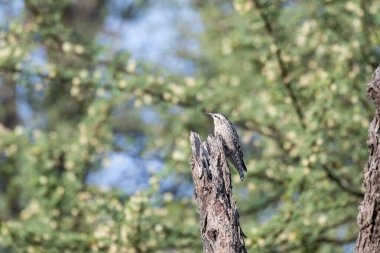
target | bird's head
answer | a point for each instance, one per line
(217, 116)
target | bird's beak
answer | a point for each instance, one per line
(209, 113)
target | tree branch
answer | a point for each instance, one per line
(283, 70)
(342, 184)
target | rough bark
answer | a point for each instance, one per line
(219, 217)
(368, 219)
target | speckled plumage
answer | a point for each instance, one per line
(224, 128)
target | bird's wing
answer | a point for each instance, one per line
(237, 144)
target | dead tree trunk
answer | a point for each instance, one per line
(219, 217)
(368, 240)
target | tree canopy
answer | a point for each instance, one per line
(290, 74)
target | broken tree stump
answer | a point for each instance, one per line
(219, 217)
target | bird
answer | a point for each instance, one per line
(230, 139)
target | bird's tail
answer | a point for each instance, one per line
(239, 165)
(241, 174)
(241, 170)
(245, 168)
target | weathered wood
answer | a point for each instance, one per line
(368, 219)
(219, 217)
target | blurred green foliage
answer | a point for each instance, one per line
(290, 74)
